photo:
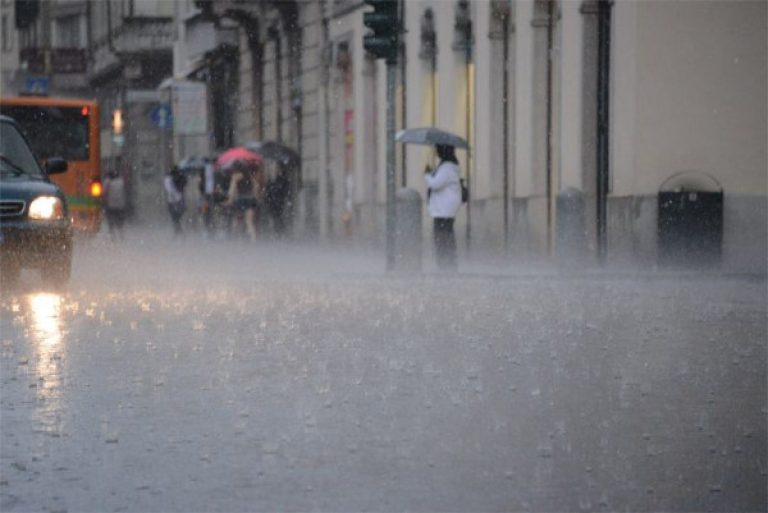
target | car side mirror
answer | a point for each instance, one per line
(55, 166)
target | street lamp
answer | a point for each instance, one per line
(118, 124)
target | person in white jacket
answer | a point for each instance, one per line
(114, 202)
(173, 184)
(443, 201)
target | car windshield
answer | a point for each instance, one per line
(15, 155)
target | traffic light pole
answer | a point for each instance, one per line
(383, 44)
(391, 219)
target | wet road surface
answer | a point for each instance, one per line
(184, 376)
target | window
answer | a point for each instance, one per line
(15, 151)
(28, 36)
(7, 33)
(53, 131)
(68, 32)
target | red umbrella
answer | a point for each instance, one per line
(237, 154)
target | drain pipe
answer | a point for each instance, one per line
(326, 103)
(433, 70)
(251, 26)
(603, 122)
(274, 34)
(464, 26)
(505, 128)
(550, 49)
(468, 122)
(110, 42)
(404, 92)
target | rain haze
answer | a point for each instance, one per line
(302, 261)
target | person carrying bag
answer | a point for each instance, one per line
(444, 197)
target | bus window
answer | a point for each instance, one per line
(53, 131)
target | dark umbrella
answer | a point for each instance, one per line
(275, 151)
(431, 136)
(191, 165)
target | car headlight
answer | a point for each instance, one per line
(46, 208)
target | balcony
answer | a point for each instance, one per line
(62, 60)
(202, 36)
(144, 34)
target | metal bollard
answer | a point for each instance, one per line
(408, 232)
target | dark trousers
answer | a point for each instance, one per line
(445, 243)
(176, 212)
(208, 207)
(115, 220)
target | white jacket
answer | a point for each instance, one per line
(114, 192)
(445, 196)
(172, 194)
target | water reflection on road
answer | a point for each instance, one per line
(45, 335)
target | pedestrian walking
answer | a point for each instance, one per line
(245, 190)
(276, 197)
(443, 202)
(114, 202)
(207, 186)
(173, 184)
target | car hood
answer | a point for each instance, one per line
(25, 188)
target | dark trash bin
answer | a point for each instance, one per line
(690, 221)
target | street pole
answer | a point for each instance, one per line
(391, 79)
(505, 129)
(550, 109)
(603, 120)
(383, 44)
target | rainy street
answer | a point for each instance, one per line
(186, 376)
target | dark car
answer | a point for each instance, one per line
(35, 227)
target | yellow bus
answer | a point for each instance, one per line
(66, 128)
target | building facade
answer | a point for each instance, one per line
(9, 47)
(579, 114)
(116, 52)
(131, 53)
(683, 91)
(44, 47)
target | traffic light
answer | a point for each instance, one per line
(382, 42)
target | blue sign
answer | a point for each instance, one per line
(36, 85)
(161, 116)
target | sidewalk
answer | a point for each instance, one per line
(155, 250)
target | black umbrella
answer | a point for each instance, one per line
(191, 165)
(275, 151)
